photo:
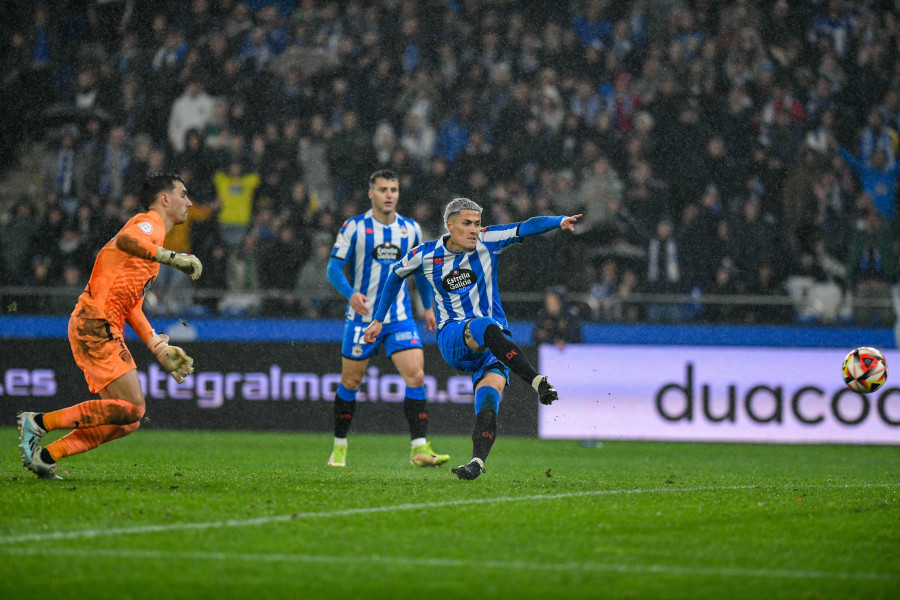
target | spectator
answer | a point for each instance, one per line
(878, 180)
(877, 135)
(235, 191)
(18, 233)
(108, 171)
(192, 110)
(663, 273)
(313, 159)
(58, 169)
(243, 296)
(872, 270)
(765, 283)
(279, 264)
(418, 139)
(724, 288)
(558, 322)
(349, 153)
(600, 197)
(318, 298)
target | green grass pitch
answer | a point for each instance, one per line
(164, 514)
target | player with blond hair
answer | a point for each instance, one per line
(124, 270)
(473, 333)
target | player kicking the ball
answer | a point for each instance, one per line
(472, 330)
(123, 271)
(371, 243)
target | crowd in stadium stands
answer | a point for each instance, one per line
(717, 148)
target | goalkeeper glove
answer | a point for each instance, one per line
(187, 263)
(173, 359)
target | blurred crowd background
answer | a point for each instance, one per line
(735, 161)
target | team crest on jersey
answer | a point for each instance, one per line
(146, 227)
(357, 350)
(458, 279)
(386, 252)
(404, 232)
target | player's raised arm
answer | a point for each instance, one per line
(539, 225)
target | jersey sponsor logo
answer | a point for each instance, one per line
(386, 252)
(459, 279)
(403, 336)
(369, 230)
(146, 227)
(438, 261)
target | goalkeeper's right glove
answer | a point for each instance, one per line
(173, 359)
(187, 263)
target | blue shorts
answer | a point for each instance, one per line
(462, 358)
(401, 335)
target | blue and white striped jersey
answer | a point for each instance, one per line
(371, 247)
(465, 285)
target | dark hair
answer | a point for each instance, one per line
(382, 174)
(153, 184)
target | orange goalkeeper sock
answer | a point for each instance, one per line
(94, 413)
(82, 440)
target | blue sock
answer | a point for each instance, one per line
(416, 393)
(347, 395)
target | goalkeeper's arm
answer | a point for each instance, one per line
(139, 246)
(173, 359)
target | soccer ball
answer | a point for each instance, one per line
(864, 370)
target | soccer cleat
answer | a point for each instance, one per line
(43, 470)
(424, 456)
(338, 456)
(470, 470)
(546, 391)
(30, 436)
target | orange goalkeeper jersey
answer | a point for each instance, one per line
(119, 279)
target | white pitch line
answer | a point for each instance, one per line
(515, 565)
(108, 532)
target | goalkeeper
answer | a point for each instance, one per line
(123, 271)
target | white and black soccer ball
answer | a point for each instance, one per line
(864, 370)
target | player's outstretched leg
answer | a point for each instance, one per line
(487, 333)
(487, 403)
(344, 407)
(94, 422)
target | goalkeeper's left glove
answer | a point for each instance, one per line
(187, 263)
(173, 359)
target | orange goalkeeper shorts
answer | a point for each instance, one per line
(99, 351)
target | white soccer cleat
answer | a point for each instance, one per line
(30, 436)
(43, 470)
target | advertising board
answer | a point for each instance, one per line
(725, 394)
(259, 386)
